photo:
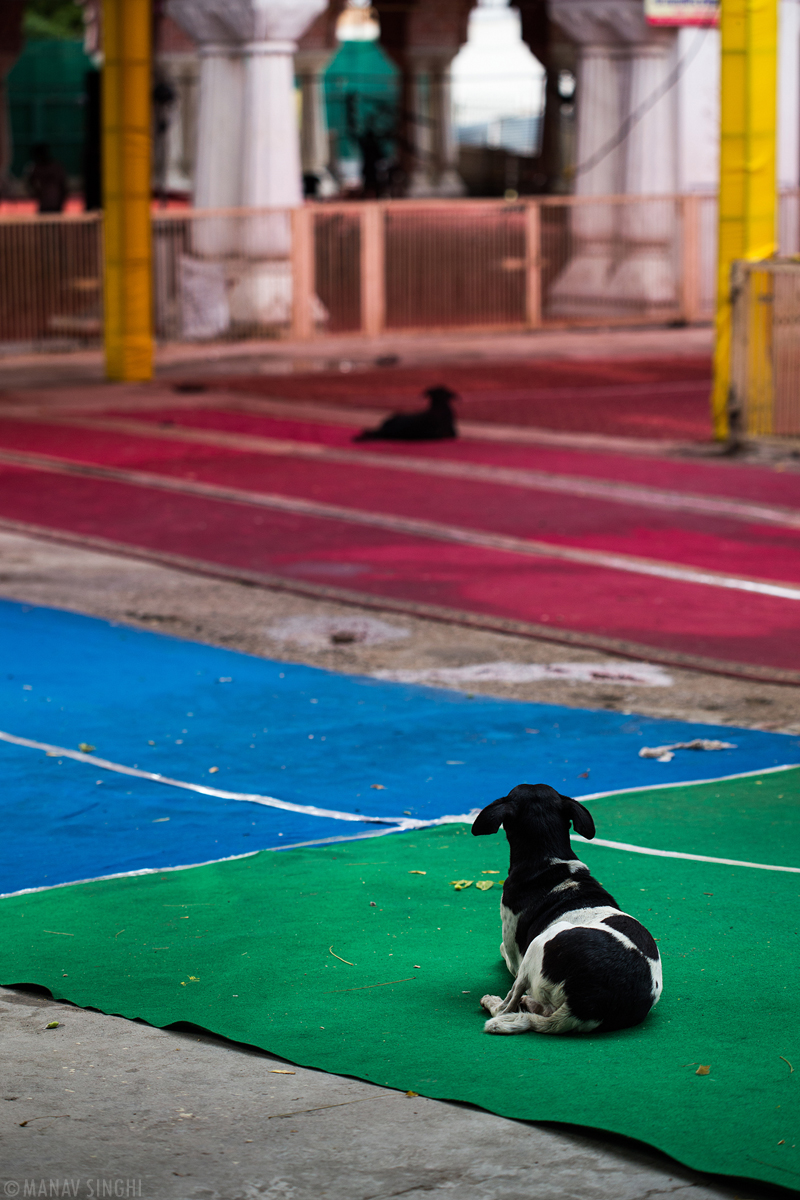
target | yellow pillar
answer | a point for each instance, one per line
(126, 189)
(748, 184)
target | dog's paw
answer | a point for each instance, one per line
(491, 1003)
(495, 1025)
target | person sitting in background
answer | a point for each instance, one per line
(47, 180)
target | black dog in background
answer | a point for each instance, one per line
(434, 423)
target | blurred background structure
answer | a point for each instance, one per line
(445, 98)
(402, 166)
(477, 99)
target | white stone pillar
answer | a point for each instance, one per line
(248, 156)
(269, 180)
(647, 275)
(600, 82)
(620, 257)
(421, 181)
(217, 177)
(436, 159)
(314, 147)
(248, 150)
(448, 182)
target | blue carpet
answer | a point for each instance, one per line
(301, 734)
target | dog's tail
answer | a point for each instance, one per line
(560, 1021)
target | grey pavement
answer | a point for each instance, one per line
(181, 1115)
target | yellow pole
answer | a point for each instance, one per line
(747, 185)
(126, 189)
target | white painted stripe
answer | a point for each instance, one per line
(572, 485)
(657, 787)
(268, 801)
(468, 817)
(727, 862)
(414, 526)
(463, 818)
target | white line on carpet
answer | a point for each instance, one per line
(572, 485)
(728, 862)
(268, 801)
(414, 526)
(400, 824)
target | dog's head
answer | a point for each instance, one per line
(535, 815)
(440, 395)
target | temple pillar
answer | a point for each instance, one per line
(248, 155)
(445, 149)
(647, 272)
(423, 39)
(217, 177)
(314, 145)
(622, 255)
(421, 181)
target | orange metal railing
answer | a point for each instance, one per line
(379, 266)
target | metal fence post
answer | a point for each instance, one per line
(303, 281)
(533, 265)
(373, 270)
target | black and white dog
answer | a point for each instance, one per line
(580, 962)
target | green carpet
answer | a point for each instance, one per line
(243, 949)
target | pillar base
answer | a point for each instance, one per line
(582, 287)
(646, 277)
(230, 297)
(423, 185)
(595, 284)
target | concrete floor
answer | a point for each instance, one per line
(105, 1106)
(353, 351)
(172, 1115)
(239, 617)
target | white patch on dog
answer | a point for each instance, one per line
(508, 947)
(562, 887)
(320, 633)
(631, 674)
(575, 865)
(656, 969)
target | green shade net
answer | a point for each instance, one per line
(247, 949)
(47, 102)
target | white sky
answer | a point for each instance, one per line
(495, 74)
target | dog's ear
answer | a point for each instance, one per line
(582, 820)
(491, 818)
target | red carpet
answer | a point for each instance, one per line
(651, 398)
(416, 555)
